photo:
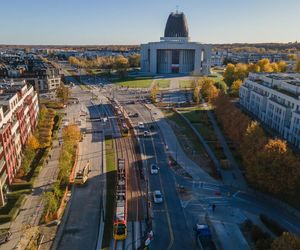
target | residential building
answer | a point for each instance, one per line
(274, 98)
(250, 57)
(18, 117)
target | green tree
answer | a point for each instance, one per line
(221, 85)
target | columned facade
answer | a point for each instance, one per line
(176, 54)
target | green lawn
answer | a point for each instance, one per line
(163, 83)
(111, 190)
(185, 83)
(136, 83)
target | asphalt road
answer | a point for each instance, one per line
(169, 223)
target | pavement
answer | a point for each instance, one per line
(32, 210)
(82, 224)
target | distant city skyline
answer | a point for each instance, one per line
(99, 22)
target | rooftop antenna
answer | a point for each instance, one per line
(177, 9)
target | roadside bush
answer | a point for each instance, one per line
(16, 194)
(14, 211)
(272, 225)
(21, 186)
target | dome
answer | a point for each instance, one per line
(176, 25)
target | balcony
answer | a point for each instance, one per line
(2, 163)
(3, 178)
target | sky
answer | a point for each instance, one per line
(99, 22)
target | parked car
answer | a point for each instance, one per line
(141, 125)
(134, 115)
(154, 169)
(4, 236)
(146, 133)
(157, 197)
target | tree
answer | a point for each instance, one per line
(297, 67)
(71, 133)
(221, 85)
(235, 87)
(121, 65)
(287, 241)
(277, 169)
(282, 66)
(208, 89)
(33, 143)
(134, 60)
(229, 74)
(154, 92)
(63, 93)
(196, 94)
(292, 57)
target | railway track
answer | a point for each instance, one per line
(125, 150)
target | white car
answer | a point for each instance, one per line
(141, 125)
(146, 133)
(154, 169)
(157, 196)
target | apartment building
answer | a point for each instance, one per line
(274, 98)
(18, 117)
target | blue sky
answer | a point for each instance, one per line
(138, 21)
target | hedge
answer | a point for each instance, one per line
(16, 194)
(21, 186)
(276, 228)
(14, 211)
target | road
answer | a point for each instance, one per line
(177, 216)
(169, 223)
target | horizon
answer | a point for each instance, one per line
(98, 23)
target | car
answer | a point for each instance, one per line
(146, 133)
(154, 169)
(157, 197)
(134, 115)
(141, 125)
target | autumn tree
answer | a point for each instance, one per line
(71, 133)
(121, 65)
(235, 88)
(33, 143)
(229, 74)
(63, 93)
(282, 66)
(287, 241)
(154, 92)
(208, 89)
(221, 85)
(196, 94)
(277, 169)
(297, 66)
(134, 60)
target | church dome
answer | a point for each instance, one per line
(176, 25)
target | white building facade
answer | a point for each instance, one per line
(175, 53)
(274, 98)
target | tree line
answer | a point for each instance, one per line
(107, 62)
(269, 164)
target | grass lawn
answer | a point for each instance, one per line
(199, 118)
(163, 83)
(110, 191)
(136, 83)
(185, 83)
(185, 129)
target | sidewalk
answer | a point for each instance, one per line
(31, 212)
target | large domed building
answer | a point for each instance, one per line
(175, 53)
